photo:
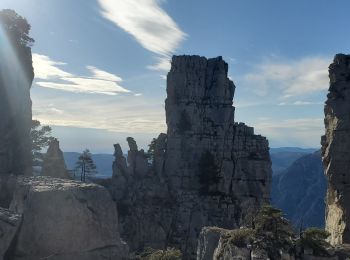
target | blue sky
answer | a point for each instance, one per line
(100, 64)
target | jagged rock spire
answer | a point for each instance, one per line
(336, 150)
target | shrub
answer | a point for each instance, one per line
(315, 239)
(158, 254)
(239, 237)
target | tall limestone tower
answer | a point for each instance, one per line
(336, 150)
(206, 171)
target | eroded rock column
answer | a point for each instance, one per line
(336, 150)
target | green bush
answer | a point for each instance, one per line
(158, 254)
(315, 239)
(239, 237)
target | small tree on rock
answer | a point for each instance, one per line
(16, 27)
(273, 231)
(86, 165)
(315, 239)
(41, 138)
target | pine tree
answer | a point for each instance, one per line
(86, 165)
(41, 138)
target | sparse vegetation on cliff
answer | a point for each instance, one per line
(16, 27)
(41, 137)
(315, 239)
(158, 254)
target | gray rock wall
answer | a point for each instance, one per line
(16, 76)
(336, 150)
(207, 169)
(9, 224)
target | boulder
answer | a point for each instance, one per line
(65, 219)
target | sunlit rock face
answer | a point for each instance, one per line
(16, 76)
(336, 150)
(65, 220)
(53, 164)
(207, 169)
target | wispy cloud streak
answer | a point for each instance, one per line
(290, 78)
(48, 74)
(148, 23)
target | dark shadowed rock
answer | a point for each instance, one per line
(16, 76)
(207, 169)
(336, 150)
(9, 224)
(65, 219)
(53, 163)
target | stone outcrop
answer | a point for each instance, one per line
(53, 163)
(16, 76)
(336, 150)
(207, 169)
(9, 224)
(221, 244)
(64, 219)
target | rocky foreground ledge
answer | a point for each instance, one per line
(222, 244)
(61, 220)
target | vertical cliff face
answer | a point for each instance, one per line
(206, 149)
(207, 171)
(16, 76)
(336, 150)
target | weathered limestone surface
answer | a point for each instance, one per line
(215, 245)
(207, 170)
(9, 224)
(53, 163)
(64, 219)
(16, 76)
(336, 150)
(208, 241)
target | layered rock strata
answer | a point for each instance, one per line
(336, 150)
(65, 220)
(53, 163)
(207, 169)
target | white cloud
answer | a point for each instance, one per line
(49, 75)
(306, 103)
(302, 132)
(162, 65)
(148, 23)
(100, 74)
(45, 68)
(122, 114)
(291, 78)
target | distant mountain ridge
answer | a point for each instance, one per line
(293, 149)
(300, 191)
(103, 163)
(283, 157)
